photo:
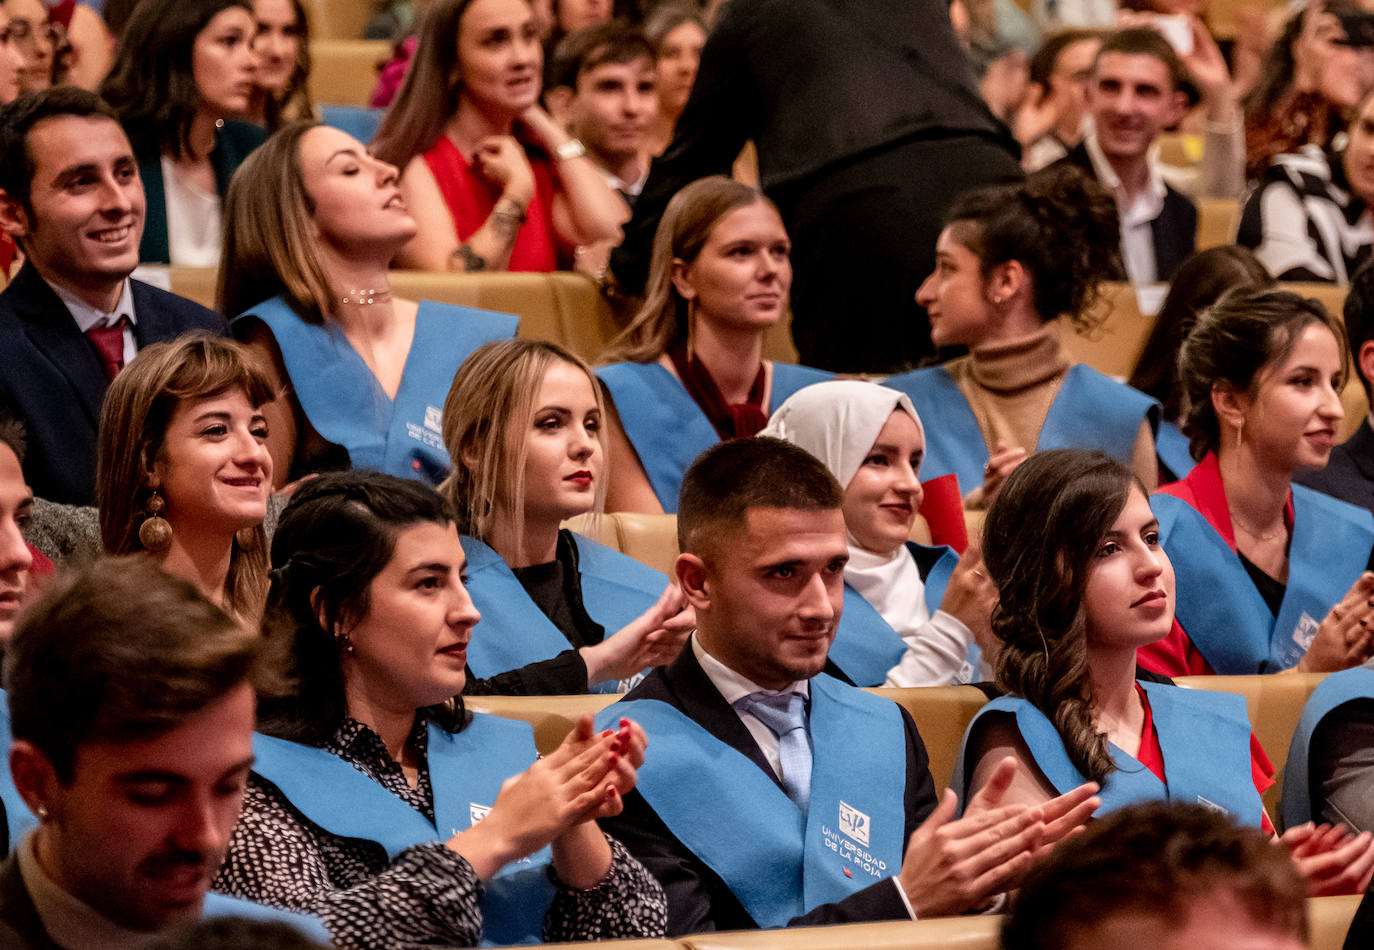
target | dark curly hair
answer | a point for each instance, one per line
(1060, 225)
(1246, 331)
(1038, 544)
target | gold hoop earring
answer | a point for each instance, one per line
(155, 533)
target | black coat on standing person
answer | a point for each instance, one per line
(868, 121)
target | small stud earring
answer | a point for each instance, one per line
(42, 811)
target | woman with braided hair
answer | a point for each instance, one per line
(1083, 583)
(1011, 260)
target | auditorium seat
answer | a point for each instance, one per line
(947, 933)
(649, 539)
(562, 307)
(1217, 220)
(1117, 334)
(1275, 703)
(1328, 920)
(343, 72)
(338, 19)
(941, 714)
(551, 716)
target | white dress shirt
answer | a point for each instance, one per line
(1137, 240)
(88, 317)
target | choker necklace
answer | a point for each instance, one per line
(1257, 535)
(367, 296)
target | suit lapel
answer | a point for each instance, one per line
(49, 326)
(694, 693)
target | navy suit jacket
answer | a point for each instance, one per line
(53, 381)
(1174, 232)
(698, 900)
(1349, 475)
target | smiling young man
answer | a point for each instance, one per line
(1135, 93)
(776, 795)
(603, 88)
(131, 704)
(70, 195)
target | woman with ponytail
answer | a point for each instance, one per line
(1083, 583)
(1010, 261)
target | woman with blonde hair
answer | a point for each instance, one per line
(689, 369)
(523, 424)
(494, 182)
(313, 221)
(183, 470)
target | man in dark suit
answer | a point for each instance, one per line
(1349, 473)
(738, 814)
(1137, 90)
(868, 122)
(131, 705)
(70, 195)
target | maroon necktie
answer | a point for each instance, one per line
(109, 344)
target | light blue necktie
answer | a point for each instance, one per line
(785, 715)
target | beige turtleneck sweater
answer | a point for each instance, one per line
(1010, 388)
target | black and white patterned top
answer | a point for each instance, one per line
(429, 895)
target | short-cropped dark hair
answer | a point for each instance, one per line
(119, 651)
(593, 46)
(17, 119)
(733, 477)
(1143, 41)
(11, 432)
(1155, 859)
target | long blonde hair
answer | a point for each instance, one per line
(684, 229)
(133, 424)
(487, 417)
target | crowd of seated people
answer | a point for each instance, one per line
(264, 565)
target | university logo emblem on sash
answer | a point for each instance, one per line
(1305, 631)
(477, 812)
(854, 823)
(434, 419)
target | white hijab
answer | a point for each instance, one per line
(838, 422)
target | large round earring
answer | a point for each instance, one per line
(155, 533)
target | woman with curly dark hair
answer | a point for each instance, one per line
(1083, 583)
(1010, 261)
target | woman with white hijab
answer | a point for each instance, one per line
(910, 611)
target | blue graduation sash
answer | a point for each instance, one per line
(346, 404)
(1218, 605)
(1204, 737)
(1171, 445)
(513, 630)
(734, 817)
(666, 426)
(1331, 693)
(865, 647)
(466, 770)
(1090, 411)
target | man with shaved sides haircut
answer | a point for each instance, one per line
(71, 318)
(777, 795)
